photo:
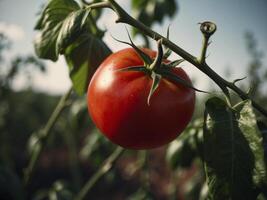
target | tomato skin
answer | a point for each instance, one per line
(117, 103)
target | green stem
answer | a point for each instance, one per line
(43, 136)
(205, 45)
(106, 166)
(158, 60)
(124, 17)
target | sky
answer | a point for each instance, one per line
(228, 50)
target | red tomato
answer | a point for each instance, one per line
(117, 103)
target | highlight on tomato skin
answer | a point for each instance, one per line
(117, 103)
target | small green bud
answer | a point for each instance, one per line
(208, 28)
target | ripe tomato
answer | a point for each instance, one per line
(117, 103)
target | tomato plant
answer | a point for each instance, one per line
(117, 103)
(139, 100)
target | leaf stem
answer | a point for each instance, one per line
(208, 29)
(106, 166)
(43, 135)
(205, 45)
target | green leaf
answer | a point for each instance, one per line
(56, 11)
(61, 22)
(248, 126)
(66, 29)
(263, 129)
(50, 24)
(233, 152)
(71, 28)
(83, 57)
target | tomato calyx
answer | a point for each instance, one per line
(157, 68)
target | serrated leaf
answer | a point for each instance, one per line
(155, 84)
(263, 129)
(83, 58)
(56, 11)
(233, 154)
(50, 24)
(71, 28)
(61, 22)
(248, 126)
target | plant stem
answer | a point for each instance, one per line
(106, 166)
(205, 45)
(124, 17)
(158, 60)
(43, 136)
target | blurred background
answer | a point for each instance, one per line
(30, 89)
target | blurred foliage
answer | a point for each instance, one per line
(257, 71)
(58, 191)
(153, 11)
(11, 187)
(182, 152)
(150, 12)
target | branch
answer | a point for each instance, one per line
(106, 166)
(43, 136)
(124, 17)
